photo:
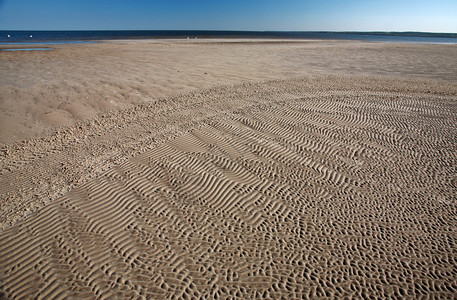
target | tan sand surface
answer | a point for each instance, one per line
(43, 89)
(261, 169)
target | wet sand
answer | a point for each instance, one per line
(229, 168)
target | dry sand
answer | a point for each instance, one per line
(232, 169)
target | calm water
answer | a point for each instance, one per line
(58, 37)
(28, 49)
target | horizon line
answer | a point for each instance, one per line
(237, 30)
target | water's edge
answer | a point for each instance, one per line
(58, 37)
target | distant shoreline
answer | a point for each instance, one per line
(72, 36)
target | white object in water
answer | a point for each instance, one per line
(9, 35)
(30, 35)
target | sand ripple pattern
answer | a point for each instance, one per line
(325, 195)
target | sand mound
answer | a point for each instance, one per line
(45, 89)
(295, 192)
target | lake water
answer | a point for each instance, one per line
(28, 49)
(59, 37)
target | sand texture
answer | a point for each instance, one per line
(45, 89)
(279, 184)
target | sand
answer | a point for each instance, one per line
(230, 169)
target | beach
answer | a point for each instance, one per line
(228, 168)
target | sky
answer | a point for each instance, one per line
(255, 15)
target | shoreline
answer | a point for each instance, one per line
(221, 40)
(90, 35)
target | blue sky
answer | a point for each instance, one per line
(332, 15)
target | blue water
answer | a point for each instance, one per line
(28, 49)
(59, 37)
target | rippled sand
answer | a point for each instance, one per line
(279, 184)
